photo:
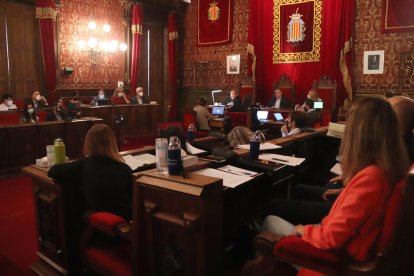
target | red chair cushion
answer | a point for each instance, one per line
(293, 249)
(19, 104)
(106, 222)
(10, 118)
(162, 126)
(42, 115)
(189, 118)
(201, 134)
(112, 259)
(238, 119)
(327, 97)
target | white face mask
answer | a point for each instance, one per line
(38, 98)
(141, 94)
(10, 102)
(101, 96)
(30, 110)
(120, 94)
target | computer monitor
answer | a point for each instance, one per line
(218, 110)
(103, 102)
(318, 105)
(278, 116)
(262, 115)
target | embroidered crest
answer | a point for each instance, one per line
(213, 12)
(296, 29)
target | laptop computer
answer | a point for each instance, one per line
(218, 111)
(262, 116)
(278, 117)
(318, 105)
(103, 102)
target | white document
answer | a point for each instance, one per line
(139, 160)
(336, 130)
(193, 150)
(263, 146)
(336, 169)
(237, 171)
(229, 180)
(282, 159)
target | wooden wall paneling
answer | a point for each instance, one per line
(47, 133)
(23, 146)
(127, 125)
(4, 78)
(142, 119)
(76, 134)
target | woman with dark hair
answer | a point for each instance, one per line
(374, 160)
(106, 181)
(29, 114)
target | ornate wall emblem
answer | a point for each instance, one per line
(296, 28)
(213, 12)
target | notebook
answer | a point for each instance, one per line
(278, 116)
(218, 110)
(318, 105)
(262, 115)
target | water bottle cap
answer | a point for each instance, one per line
(174, 140)
(58, 140)
(191, 127)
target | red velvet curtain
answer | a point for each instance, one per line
(172, 50)
(336, 33)
(136, 29)
(45, 12)
(398, 16)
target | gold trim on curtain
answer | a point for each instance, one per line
(46, 13)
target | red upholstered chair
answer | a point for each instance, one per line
(287, 86)
(238, 119)
(113, 255)
(292, 249)
(327, 92)
(247, 91)
(19, 103)
(10, 117)
(162, 126)
(189, 118)
(42, 115)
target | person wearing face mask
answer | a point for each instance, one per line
(100, 97)
(234, 102)
(38, 100)
(140, 98)
(74, 107)
(7, 103)
(57, 114)
(29, 114)
(119, 97)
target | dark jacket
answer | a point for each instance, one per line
(284, 102)
(145, 100)
(237, 105)
(106, 184)
(52, 116)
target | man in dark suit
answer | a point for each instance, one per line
(234, 102)
(140, 98)
(278, 101)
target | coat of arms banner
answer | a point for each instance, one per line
(297, 31)
(214, 22)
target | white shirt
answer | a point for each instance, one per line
(277, 102)
(293, 131)
(5, 107)
(202, 117)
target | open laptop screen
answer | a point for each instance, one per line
(262, 115)
(318, 105)
(218, 110)
(103, 102)
(278, 116)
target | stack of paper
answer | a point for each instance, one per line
(282, 159)
(336, 169)
(189, 160)
(231, 179)
(263, 146)
(336, 130)
(137, 161)
(193, 150)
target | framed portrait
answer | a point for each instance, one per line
(233, 64)
(374, 62)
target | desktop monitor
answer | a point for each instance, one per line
(318, 105)
(218, 110)
(262, 115)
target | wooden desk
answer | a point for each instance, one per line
(217, 123)
(21, 144)
(139, 119)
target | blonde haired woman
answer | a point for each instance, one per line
(104, 179)
(374, 160)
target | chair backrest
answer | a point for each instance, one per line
(247, 91)
(327, 92)
(287, 86)
(189, 117)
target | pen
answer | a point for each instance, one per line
(281, 160)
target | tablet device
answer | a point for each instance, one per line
(278, 116)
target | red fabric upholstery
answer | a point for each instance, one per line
(238, 119)
(326, 118)
(244, 90)
(42, 115)
(189, 118)
(106, 222)
(10, 118)
(288, 93)
(162, 126)
(114, 259)
(19, 103)
(327, 97)
(295, 250)
(201, 134)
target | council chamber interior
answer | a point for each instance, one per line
(240, 137)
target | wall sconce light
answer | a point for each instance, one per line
(97, 46)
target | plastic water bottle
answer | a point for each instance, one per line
(191, 133)
(161, 147)
(255, 140)
(175, 166)
(59, 151)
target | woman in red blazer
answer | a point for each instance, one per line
(374, 160)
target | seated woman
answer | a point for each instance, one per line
(119, 97)
(100, 97)
(106, 181)
(295, 122)
(29, 114)
(374, 160)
